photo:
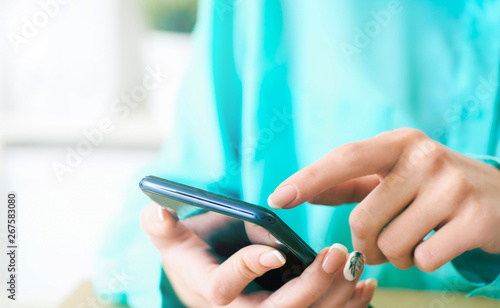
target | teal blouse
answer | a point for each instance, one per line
(274, 85)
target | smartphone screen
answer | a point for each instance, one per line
(226, 234)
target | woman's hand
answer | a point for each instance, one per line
(199, 279)
(407, 186)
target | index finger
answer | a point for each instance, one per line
(349, 161)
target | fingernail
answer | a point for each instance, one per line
(277, 242)
(338, 246)
(354, 265)
(272, 258)
(334, 258)
(161, 213)
(171, 212)
(372, 283)
(282, 196)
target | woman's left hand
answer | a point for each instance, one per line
(407, 185)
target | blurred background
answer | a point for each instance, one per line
(86, 89)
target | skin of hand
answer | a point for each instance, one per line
(200, 280)
(407, 185)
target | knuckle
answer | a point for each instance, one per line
(390, 247)
(457, 190)
(360, 222)
(404, 265)
(458, 186)
(425, 259)
(389, 183)
(309, 174)
(351, 151)
(411, 134)
(434, 155)
(246, 269)
(462, 185)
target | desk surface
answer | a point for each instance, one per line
(387, 298)
(384, 298)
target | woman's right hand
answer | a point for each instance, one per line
(200, 280)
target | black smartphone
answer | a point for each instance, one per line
(228, 225)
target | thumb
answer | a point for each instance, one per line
(229, 279)
(163, 227)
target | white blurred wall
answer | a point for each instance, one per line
(57, 88)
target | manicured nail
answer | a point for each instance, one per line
(272, 258)
(338, 246)
(282, 196)
(161, 214)
(277, 242)
(354, 265)
(372, 284)
(371, 281)
(334, 258)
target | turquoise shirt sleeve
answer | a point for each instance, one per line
(481, 269)
(477, 266)
(197, 151)
(274, 85)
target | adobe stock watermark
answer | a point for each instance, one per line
(448, 295)
(364, 36)
(280, 120)
(485, 90)
(121, 109)
(408, 167)
(116, 285)
(48, 9)
(223, 7)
